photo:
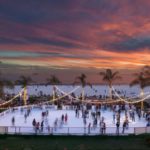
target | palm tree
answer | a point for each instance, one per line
(24, 82)
(53, 80)
(109, 76)
(146, 71)
(5, 83)
(82, 80)
(143, 81)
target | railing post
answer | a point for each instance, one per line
(68, 130)
(6, 130)
(84, 130)
(52, 130)
(15, 130)
(19, 130)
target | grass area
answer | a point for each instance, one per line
(10, 142)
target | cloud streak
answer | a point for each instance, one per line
(97, 33)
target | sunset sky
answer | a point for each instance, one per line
(69, 37)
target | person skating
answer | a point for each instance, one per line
(89, 128)
(42, 125)
(13, 120)
(103, 128)
(114, 117)
(37, 126)
(66, 118)
(25, 118)
(123, 127)
(34, 123)
(62, 118)
(117, 127)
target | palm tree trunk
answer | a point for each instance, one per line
(110, 91)
(53, 94)
(1, 92)
(142, 102)
(25, 95)
(82, 94)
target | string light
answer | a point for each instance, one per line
(12, 98)
(42, 103)
(66, 93)
(110, 101)
(77, 99)
(129, 102)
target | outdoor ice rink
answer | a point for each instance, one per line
(74, 125)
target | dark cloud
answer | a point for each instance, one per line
(18, 13)
(10, 41)
(130, 45)
(101, 6)
(44, 41)
(27, 11)
(75, 25)
(50, 42)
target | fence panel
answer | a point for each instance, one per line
(139, 130)
(3, 130)
(73, 130)
(148, 130)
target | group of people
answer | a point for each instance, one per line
(59, 122)
(39, 126)
(92, 117)
(129, 116)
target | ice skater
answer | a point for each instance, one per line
(62, 118)
(25, 118)
(117, 127)
(89, 128)
(123, 127)
(114, 117)
(55, 124)
(42, 126)
(34, 124)
(66, 118)
(13, 121)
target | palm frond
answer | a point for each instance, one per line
(141, 79)
(117, 77)
(81, 80)
(115, 74)
(24, 81)
(53, 80)
(134, 82)
(102, 73)
(109, 76)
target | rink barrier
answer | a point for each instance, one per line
(4, 112)
(52, 107)
(141, 130)
(72, 131)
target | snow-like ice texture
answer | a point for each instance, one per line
(125, 90)
(74, 125)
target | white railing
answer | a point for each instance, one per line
(141, 130)
(71, 130)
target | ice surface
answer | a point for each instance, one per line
(74, 125)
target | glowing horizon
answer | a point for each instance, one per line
(96, 59)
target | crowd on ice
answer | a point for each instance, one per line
(94, 112)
